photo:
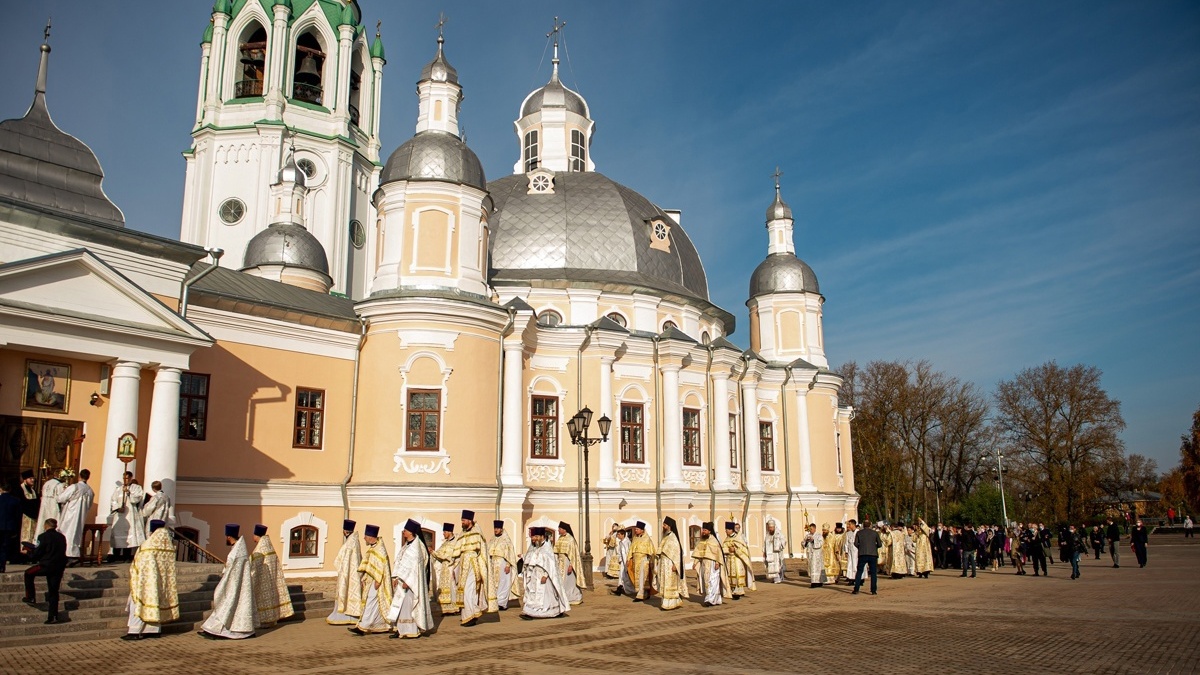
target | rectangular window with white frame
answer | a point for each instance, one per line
(543, 427)
(633, 433)
(691, 437)
(766, 444)
(310, 419)
(424, 415)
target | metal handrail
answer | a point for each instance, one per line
(187, 550)
(248, 88)
(309, 93)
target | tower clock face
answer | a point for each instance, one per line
(232, 211)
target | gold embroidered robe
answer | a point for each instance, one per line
(737, 564)
(271, 598)
(152, 585)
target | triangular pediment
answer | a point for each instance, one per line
(78, 286)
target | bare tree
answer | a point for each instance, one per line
(1063, 422)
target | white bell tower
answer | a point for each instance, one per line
(270, 79)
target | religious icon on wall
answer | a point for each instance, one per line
(47, 386)
(127, 447)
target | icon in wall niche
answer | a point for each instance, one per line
(47, 386)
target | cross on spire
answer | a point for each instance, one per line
(378, 28)
(557, 29)
(46, 33)
(776, 176)
(441, 24)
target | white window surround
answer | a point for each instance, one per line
(285, 535)
(647, 403)
(234, 36)
(445, 398)
(561, 395)
(692, 399)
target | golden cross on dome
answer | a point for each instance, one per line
(776, 176)
(441, 24)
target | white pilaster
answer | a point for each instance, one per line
(341, 99)
(274, 76)
(122, 419)
(216, 64)
(806, 472)
(720, 384)
(162, 442)
(511, 466)
(607, 457)
(750, 434)
(672, 430)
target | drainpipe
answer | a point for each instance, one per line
(745, 450)
(362, 338)
(216, 254)
(712, 491)
(657, 438)
(512, 318)
(787, 457)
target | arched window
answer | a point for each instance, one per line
(252, 52)
(693, 536)
(310, 63)
(355, 104)
(668, 325)
(618, 319)
(578, 151)
(705, 338)
(302, 542)
(549, 317)
(531, 150)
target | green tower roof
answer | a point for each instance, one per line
(207, 37)
(222, 7)
(377, 48)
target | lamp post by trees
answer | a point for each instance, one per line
(578, 427)
(1000, 480)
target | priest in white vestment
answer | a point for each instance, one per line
(544, 597)
(158, 507)
(570, 566)
(503, 558)
(233, 616)
(669, 569)
(153, 595)
(850, 548)
(376, 569)
(898, 565)
(125, 526)
(75, 502)
(469, 556)
(774, 545)
(409, 611)
(50, 510)
(813, 545)
(624, 581)
(612, 558)
(271, 598)
(348, 606)
(707, 558)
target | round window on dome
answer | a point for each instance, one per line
(358, 234)
(549, 317)
(232, 211)
(307, 166)
(668, 325)
(618, 319)
(660, 231)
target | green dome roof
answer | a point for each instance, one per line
(207, 37)
(222, 7)
(377, 48)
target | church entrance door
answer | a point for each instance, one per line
(46, 446)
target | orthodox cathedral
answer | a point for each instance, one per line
(340, 332)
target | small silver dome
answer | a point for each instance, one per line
(439, 69)
(778, 210)
(290, 173)
(783, 273)
(434, 155)
(286, 244)
(554, 95)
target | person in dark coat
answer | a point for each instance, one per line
(867, 541)
(1113, 535)
(1033, 548)
(1140, 537)
(1096, 539)
(10, 524)
(969, 542)
(49, 560)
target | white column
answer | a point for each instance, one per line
(274, 76)
(512, 472)
(753, 466)
(722, 479)
(341, 100)
(216, 66)
(672, 430)
(122, 419)
(162, 442)
(806, 475)
(607, 456)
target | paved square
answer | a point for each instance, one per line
(1126, 620)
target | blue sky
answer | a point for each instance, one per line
(984, 185)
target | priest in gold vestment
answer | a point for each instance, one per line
(233, 616)
(503, 557)
(153, 596)
(570, 566)
(708, 559)
(376, 569)
(271, 598)
(445, 573)
(830, 553)
(612, 557)
(348, 606)
(668, 568)
(468, 554)
(898, 565)
(924, 552)
(737, 562)
(640, 568)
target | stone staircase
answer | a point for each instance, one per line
(92, 604)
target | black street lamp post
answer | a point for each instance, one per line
(578, 426)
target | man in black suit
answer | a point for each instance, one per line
(867, 541)
(1113, 535)
(49, 560)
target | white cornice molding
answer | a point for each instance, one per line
(274, 334)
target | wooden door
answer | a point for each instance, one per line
(46, 446)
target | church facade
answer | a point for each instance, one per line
(340, 333)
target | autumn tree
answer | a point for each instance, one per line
(1064, 425)
(1189, 463)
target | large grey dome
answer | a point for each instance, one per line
(782, 273)
(286, 244)
(554, 95)
(434, 155)
(590, 229)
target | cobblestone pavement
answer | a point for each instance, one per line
(1127, 620)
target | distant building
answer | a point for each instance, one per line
(398, 337)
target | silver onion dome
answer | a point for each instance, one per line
(434, 155)
(783, 273)
(554, 95)
(439, 69)
(286, 244)
(778, 210)
(290, 173)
